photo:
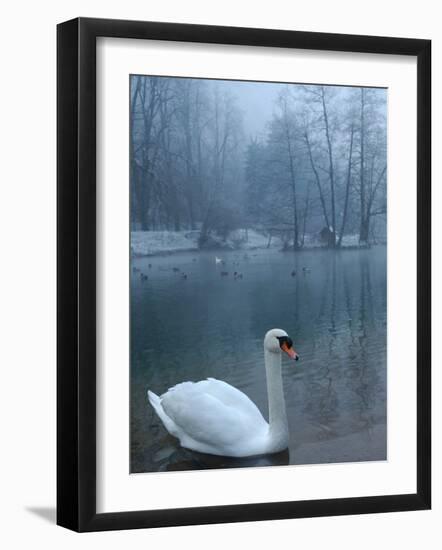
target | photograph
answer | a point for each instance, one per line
(258, 273)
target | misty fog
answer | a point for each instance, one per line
(298, 163)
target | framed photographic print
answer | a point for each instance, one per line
(243, 274)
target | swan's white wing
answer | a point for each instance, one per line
(232, 397)
(213, 413)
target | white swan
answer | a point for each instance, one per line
(215, 418)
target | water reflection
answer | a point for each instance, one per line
(170, 456)
(336, 313)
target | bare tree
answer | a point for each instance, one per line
(320, 168)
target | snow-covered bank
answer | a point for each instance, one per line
(157, 243)
(348, 241)
(153, 243)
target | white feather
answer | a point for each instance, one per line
(213, 417)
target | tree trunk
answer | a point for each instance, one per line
(365, 230)
(292, 177)
(189, 156)
(331, 171)
(306, 210)
(317, 179)
(347, 189)
(363, 233)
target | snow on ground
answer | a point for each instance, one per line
(155, 243)
(350, 240)
(250, 239)
(151, 243)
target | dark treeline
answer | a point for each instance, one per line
(319, 170)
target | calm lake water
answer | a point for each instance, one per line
(210, 325)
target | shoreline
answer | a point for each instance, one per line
(145, 244)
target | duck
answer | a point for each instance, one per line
(293, 273)
(213, 417)
(218, 260)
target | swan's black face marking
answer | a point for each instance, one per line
(285, 340)
(286, 345)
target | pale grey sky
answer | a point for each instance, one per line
(256, 100)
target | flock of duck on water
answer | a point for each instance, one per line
(237, 275)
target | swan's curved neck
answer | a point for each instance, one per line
(277, 413)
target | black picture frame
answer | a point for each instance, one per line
(76, 274)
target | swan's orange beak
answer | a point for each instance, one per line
(291, 352)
